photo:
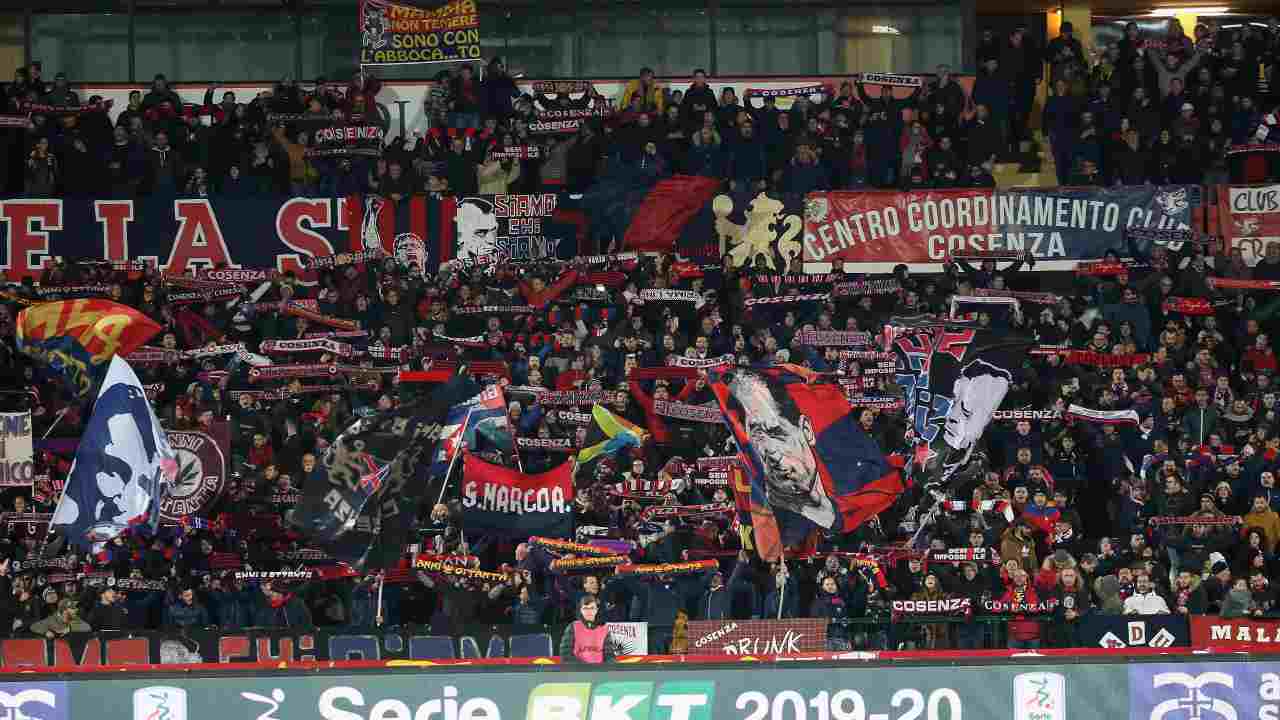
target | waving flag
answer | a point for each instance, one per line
(608, 434)
(77, 338)
(499, 500)
(122, 467)
(808, 464)
(485, 416)
(642, 213)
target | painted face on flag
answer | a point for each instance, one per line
(784, 440)
(477, 229)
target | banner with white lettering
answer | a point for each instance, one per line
(505, 228)
(757, 637)
(402, 34)
(502, 501)
(632, 638)
(1217, 632)
(16, 466)
(1249, 218)
(1127, 631)
(925, 227)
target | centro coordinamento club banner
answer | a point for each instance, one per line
(926, 226)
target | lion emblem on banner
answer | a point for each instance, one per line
(374, 36)
(766, 224)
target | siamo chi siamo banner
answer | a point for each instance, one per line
(273, 232)
(859, 228)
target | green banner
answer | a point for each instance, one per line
(746, 692)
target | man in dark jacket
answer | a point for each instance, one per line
(945, 91)
(698, 100)
(1074, 602)
(1022, 67)
(281, 609)
(974, 586)
(184, 611)
(164, 167)
(108, 613)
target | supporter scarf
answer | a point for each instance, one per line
(65, 290)
(14, 121)
(1218, 283)
(626, 257)
(876, 402)
(955, 556)
(204, 295)
(475, 341)
(152, 356)
(611, 278)
(1253, 147)
(685, 411)
(285, 347)
(573, 418)
(309, 304)
(1028, 415)
(214, 351)
(714, 481)
(555, 545)
(786, 299)
(1094, 359)
(680, 568)
(342, 259)
(882, 367)
(551, 444)
(343, 140)
(967, 255)
(1038, 298)
(298, 310)
(688, 512)
(213, 376)
(1165, 237)
(1188, 305)
(884, 286)
(45, 109)
(1109, 267)
(947, 606)
(518, 152)
(495, 310)
(561, 87)
(571, 397)
(13, 298)
(588, 295)
(1215, 520)
(682, 361)
(834, 338)
(378, 351)
(868, 565)
(192, 283)
(1019, 606)
(775, 280)
(805, 90)
(891, 79)
(863, 355)
(663, 373)
(563, 121)
(1104, 417)
(284, 372)
(455, 573)
(257, 396)
(857, 384)
(586, 565)
(721, 462)
(239, 275)
(657, 295)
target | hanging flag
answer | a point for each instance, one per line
(361, 500)
(808, 463)
(747, 226)
(483, 416)
(122, 468)
(644, 215)
(499, 500)
(608, 434)
(77, 338)
(402, 34)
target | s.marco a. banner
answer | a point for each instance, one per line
(925, 227)
(399, 34)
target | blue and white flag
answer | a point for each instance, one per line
(122, 467)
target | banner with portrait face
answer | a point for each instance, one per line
(511, 228)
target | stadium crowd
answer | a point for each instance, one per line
(1079, 495)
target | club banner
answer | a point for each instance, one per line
(1127, 631)
(500, 500)
(16, 466)
(517, 228)
(757, 637)
(343, 140)
(1217, 632)
(202, 471)
(891, 79)
(1249, 218)
(397, 34)
(924, 227)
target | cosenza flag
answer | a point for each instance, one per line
(122, 467)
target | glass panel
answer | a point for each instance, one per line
(224, 46)
(618, 44)
(539, 44)
(902, 39)
(330, 46)
(88, 48)
(760, 41)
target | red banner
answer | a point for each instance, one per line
(756, 637)
(1249, 218)
(1213, 631)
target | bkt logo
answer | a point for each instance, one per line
(1196, 703)
(677, 700)
(34, 701)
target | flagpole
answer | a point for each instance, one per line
(57, 419)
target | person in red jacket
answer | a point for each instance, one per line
(657, 426)
(1023, 633)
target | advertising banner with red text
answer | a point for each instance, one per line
(1216, 632)
(926, 226)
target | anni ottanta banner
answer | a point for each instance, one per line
(402, 34)
(859, 227)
